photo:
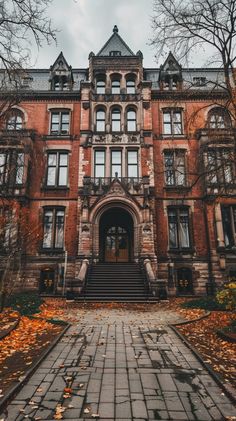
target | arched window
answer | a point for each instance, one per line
(100, 86)
(15, 120)
(115, 86)
(131, 121)
(130, 86)
(100, 120)
(116, 120)
(218, 118)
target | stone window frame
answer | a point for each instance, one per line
(177, 210)
(101, 77)
(55, 210)
(172, 111)
(116, 78)
(60, 111)
(131, 77)
(104, 150)
(174, 167)
(96, 111)
(57, 169)
(112, 109)
(127, 110)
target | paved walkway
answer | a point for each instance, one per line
(120, 365)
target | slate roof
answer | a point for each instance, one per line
(115, 43)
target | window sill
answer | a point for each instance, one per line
(58, 136)
(60, 188)
(51, 251)
(172, 136)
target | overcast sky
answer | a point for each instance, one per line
(85, 25)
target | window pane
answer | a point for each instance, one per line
(20, 169)
(133, 171)
(100, 115)
(2, 167)
(99, 157)
(115, 87)
(100, 87)
(47, 238)
(52, 159)
(51, 177)
(116, 157)
(65, 117)
(227, 226)
(173, 233)
(116, 169)
(132, 157)
(99, 171)
(130, 87)
(167, 117)
(184, 230)
(55, 118)
(100, 127)
(62, 179)
(176, 117)
(59, 235)
(116, 126)
(63, 159)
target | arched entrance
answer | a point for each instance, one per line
(116, 236)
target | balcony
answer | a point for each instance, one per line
(216, 137)
(100, 185)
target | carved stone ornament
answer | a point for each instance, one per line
(85, 228)
(100, 139)
(117, 191)
(86, 105)
(146, 105)
(116, 138)
(132, 138)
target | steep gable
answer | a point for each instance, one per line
(115, 46)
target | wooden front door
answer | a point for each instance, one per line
(116, 245)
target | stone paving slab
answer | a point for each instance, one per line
(122, 367)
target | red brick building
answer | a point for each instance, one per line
(118, 163)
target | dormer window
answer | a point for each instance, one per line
(199, 81)
(115, 53)
(60, 83)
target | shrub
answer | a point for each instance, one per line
(227, 296)
(205, 303)
(26, 303)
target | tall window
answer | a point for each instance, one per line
(131, 121)
(115, 86)
(130, 86)
(172, 122)
(99, 163)
(219, 166)
(53, 224)
(116, 120)
(132, 164)
(3, 167)
(175, 168)
(229, 225)
(178, 223)
(100, 121)
(100, 86)
(218, 118)
(15, 121)
(116, 163)
(60, 121)
(20, 165)
(57, 169)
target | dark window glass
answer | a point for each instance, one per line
(3, 167)
(229, 225)
(57, 169)
(100, 121)
(131, 121)
(53, 229)
(115, 87)
(132, 160)
(130, 87)
(178, 223)
(219, 118)
(172, 122)
(174, 168)
(100, 88)
(20, 165)
(220, 166)
(116, 120)
(116, 164)
(99, 164)
(60, 122)
(15, 121)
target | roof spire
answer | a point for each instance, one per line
(115, 29)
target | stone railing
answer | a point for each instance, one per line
(101, 185)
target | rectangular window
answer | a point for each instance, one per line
(20, 165)
(99, 164)
(132, 161)
(229, 225)
(53, 224)
(219, 166)
(116, 164)
(175, 173)
(172, 122)
(60, 122)
(57, 169)
(178, 224)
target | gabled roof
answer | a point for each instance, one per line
(115, 43)
(60, 63)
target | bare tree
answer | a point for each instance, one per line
(188, 26)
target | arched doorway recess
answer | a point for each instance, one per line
(116, 236)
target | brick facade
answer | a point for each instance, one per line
(117, 137)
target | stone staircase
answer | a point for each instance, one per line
(121, 282)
